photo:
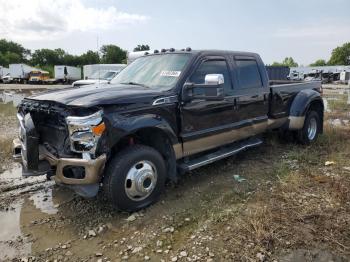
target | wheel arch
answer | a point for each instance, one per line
(304, 101)
(158, 138)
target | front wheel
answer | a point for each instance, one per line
(311, 128)
(134, 178)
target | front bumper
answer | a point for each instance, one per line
(93, 167)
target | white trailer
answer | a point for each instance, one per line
(132, 56)
(65, 73)
(20, 72)
(90, 70)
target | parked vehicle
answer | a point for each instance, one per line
(164, 114)
(344, 77)
(3, 72)
(97, 78)
(20, 72)
(7, 79)
(90, 70)
(38, 77)
(314, 75)
(296, 76)
(66, 74)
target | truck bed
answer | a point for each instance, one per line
(284, 92)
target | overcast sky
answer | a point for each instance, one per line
(306, 30)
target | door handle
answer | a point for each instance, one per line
(235, 104)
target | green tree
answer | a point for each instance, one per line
(288, 61)
(11, 52)
(112, 54)
(90, 57)
(340, 55)
(141, 48)
(10, 58)
(319, 62)
(45, 56)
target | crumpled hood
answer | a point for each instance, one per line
(90, 82)
(105, 94)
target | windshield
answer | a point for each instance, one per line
(154, 71)
(97, 75)
(109, 75)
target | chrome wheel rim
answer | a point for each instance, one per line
(141, 180)
(312, 129)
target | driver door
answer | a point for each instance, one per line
(203, 122)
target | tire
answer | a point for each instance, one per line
(311, 129)
(123, 188)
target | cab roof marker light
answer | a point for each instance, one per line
(156, 51)
(188, 49)
(172, 49)
(163, 50)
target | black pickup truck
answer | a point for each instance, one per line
(166, 113)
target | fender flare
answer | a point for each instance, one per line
(119, 127)
(300, 105)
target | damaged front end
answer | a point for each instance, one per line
(62, 143)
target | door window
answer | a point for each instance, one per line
(248, 74)
(212, 67)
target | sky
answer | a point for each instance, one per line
(305, 30)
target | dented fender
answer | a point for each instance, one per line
(119, 126)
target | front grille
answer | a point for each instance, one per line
(49, 121)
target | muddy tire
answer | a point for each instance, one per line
(134, 178)
(311, 128)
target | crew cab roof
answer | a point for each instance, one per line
(208, 52)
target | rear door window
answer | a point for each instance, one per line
(248, 74)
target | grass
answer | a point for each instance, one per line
(300, 210)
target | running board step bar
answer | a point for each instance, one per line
(220, 154)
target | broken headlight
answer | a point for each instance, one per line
(84, 132)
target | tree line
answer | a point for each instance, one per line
(340, 56)
(13, 53)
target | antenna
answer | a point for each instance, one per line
(98, 48)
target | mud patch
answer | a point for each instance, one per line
(22, 222)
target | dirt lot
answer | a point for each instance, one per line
(292, 203)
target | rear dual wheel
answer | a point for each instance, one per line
(134, 178)
(311, 129)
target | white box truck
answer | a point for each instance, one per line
(66, 74)
(20, 72)
(90, 70)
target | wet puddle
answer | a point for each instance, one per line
(21, 224)
(12, 180)
(18, 218)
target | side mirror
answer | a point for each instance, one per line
(214, 79)
(212, 89)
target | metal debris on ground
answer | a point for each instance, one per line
(329, 163)
(239, 179)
